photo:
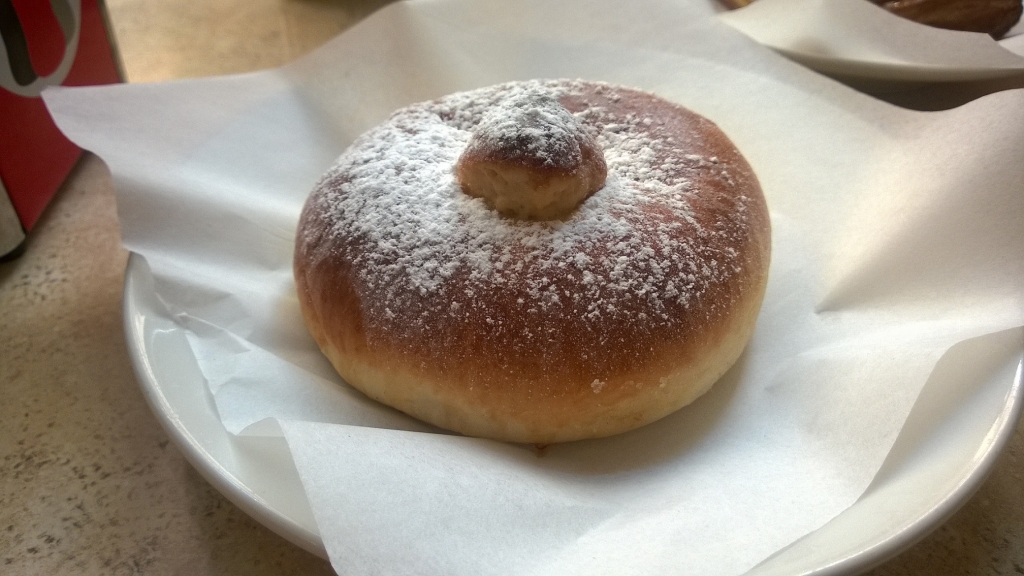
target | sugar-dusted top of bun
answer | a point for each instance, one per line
(530, 127)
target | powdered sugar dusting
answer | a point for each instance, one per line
(426, 254)
(530, 125)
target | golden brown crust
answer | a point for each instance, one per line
(994, 17)
(628, 325)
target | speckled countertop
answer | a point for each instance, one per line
(89, 483)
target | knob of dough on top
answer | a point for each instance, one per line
(530, 158)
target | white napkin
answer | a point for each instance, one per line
(896, 235)
(856, 38)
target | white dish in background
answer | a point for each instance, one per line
(858, 40)
(930, 473)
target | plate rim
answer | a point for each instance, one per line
(931, 520)
(226, 482)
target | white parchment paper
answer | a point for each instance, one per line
(855, 38)
(896, 235)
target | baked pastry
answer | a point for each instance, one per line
(441, 270)
(993, 17)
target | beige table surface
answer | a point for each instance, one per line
(89, 483)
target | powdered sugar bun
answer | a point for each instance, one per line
(621, 311)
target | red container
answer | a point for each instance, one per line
(45, 43)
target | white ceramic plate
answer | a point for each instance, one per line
(856, 40)
(932, 470)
